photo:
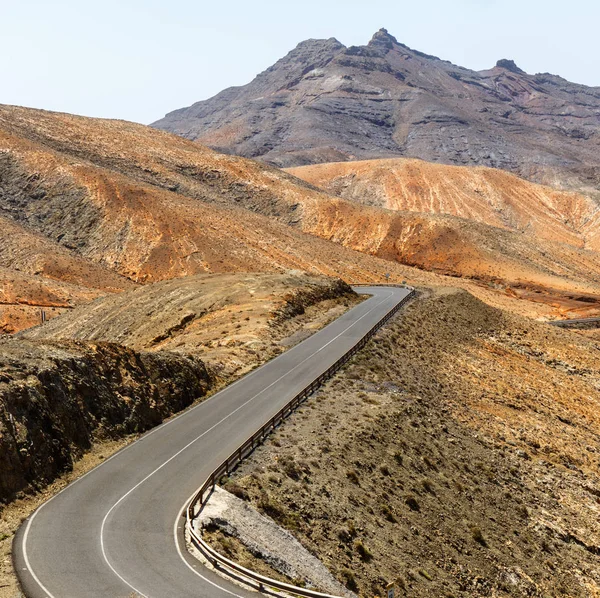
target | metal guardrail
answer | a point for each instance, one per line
(201, 497)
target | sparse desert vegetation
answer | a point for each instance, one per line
(67, 404)
(457, 453)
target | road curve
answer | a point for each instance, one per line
(117, 531)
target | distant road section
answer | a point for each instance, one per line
(577, 323)
(117, 531)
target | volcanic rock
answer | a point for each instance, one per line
(324, 102)
(509, 65)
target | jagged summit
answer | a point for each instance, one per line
(324, 102)
(383, 38)
(311, 53)
(316, 45)
(509, 65)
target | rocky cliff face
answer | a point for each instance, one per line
(56, 398)
(324, 102)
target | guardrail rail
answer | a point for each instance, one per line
(199, 500)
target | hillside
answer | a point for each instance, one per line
(453, 246)
(228, 320)
(37, 274)
(152, 206)
(324, 102)
(485, 195)
(24, 296)
(456, 453)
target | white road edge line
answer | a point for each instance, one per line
(104, 555)
(176, 540)
(33, 516)
(187, 502)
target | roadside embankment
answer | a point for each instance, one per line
(457, 453)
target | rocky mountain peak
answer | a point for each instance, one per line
(509, 65)
(312, 53)
(314, 50)
(327, 103)
(383, 39)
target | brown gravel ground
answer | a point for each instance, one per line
(458, 453)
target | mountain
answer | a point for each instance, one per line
(129, 200)
(481, 194)
(324, 102)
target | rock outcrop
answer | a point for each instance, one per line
(57, 398)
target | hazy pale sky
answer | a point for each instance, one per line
(138, 59)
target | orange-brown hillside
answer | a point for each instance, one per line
(23, 297)
(151, 206)
(481, 194)
(29, 252)
(38, 274)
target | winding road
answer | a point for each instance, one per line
(118, 530)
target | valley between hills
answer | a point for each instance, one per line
(457, 453)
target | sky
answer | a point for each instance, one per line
(139, 59)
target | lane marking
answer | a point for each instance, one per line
(160, 427)
(144, 437)
(176, 539)
(104, 555)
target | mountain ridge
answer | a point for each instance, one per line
(325, 102)
(149, 206)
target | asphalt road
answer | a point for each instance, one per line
(577, 323)
(117, 531)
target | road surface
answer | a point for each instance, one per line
(577, 323)
(117, 531)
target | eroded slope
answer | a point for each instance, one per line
(481, 194)
(457, 453)
(152, 206)
(127, 197)
(37, 274)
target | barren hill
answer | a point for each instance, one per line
(229, 319)
(324, 102)
(23, 297)
(152, 206)
(453, 246)
(26, 251)
(39, 274)
(457, 453)
(485, 195)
